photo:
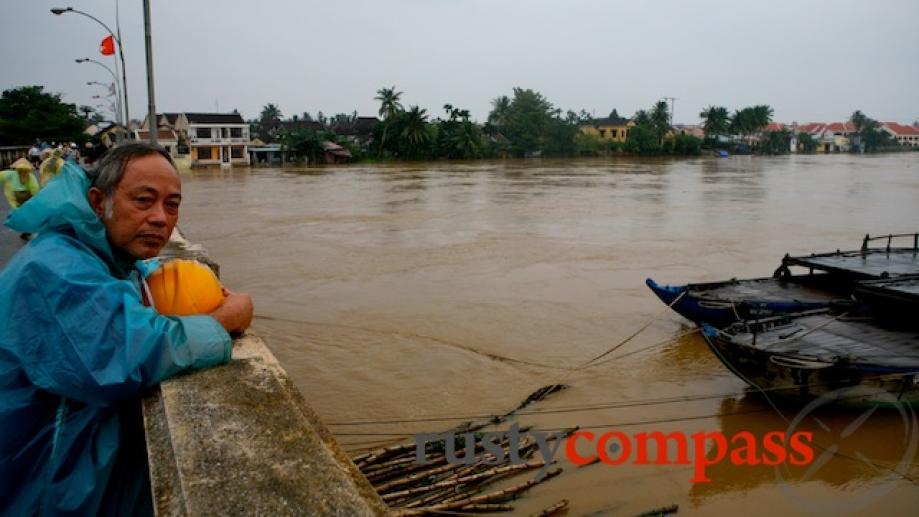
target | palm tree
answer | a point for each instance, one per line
(762, 116)
(467, 142)
(389, 102)
(500, 109)
(716, 120)
(660, 120)
(271, 112)
(389, 107)
(742, 122)
(642, 118)
(859, 120)
(415, 129)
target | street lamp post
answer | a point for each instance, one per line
(103, 65)
(111, 89)
(124, 76)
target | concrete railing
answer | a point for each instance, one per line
(240, 439)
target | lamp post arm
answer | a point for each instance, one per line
(100, 22)
(117, 37)
(124, 71)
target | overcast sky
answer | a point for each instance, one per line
(812, 60)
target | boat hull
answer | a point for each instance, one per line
(801, 377)
(700, 303)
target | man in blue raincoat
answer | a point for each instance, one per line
(78, 345)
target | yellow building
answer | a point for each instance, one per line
(609, 128)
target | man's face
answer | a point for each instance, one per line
(144, 207)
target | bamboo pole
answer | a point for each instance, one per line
(464, 480)
(483, 508)
(382, 453)
(408, 480)
(552, 510)
(500, 495)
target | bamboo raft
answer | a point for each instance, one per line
(437, 486)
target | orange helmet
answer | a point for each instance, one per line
(185, 287)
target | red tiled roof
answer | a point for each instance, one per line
(773, 127)
(841, 127)
(901, 129)
(832, 127)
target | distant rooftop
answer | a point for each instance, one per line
(609, 121)
(214, 118)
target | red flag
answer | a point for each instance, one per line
(107, 47)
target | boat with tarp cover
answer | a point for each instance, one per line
(818, 353)
(830, 281)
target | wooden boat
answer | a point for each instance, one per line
(830, 281)
(865, 263)
(816, 353)
(890, 298)
(725, 302)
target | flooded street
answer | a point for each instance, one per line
(417, 296)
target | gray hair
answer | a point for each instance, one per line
(112, 165)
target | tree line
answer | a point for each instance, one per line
(746, 128)
(28, 113)
(524, 124)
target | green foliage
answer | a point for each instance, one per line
(776, 142)
(28, 113)
(642, 118)
(716, 120)
(303, 143)
(389, 102)
(266, 126)
(270, 112)
(687, 145)
(457, 137)
(528, 118)
(870, 136)
(500, 106)
(643, 141)
(405, 135)
(588, 145)
(660, 120)
(390, 108)
(806, 142)
(750, 120)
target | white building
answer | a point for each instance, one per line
(904, 135)
(216, 138)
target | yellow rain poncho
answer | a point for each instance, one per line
(19, 185)
(50, 167)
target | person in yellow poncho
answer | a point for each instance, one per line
(50, 167)
(19, 185)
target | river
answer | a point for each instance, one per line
(405, 291)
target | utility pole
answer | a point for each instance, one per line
(672, 101)
(151, 102)
(124, 73)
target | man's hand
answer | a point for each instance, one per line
(235, 313)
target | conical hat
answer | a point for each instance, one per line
(21, 165)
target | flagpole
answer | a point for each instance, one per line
(124, 72)
(120, 99)
(57, 11)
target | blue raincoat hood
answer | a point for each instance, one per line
(62, 206)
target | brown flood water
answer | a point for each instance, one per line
(398, 292)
